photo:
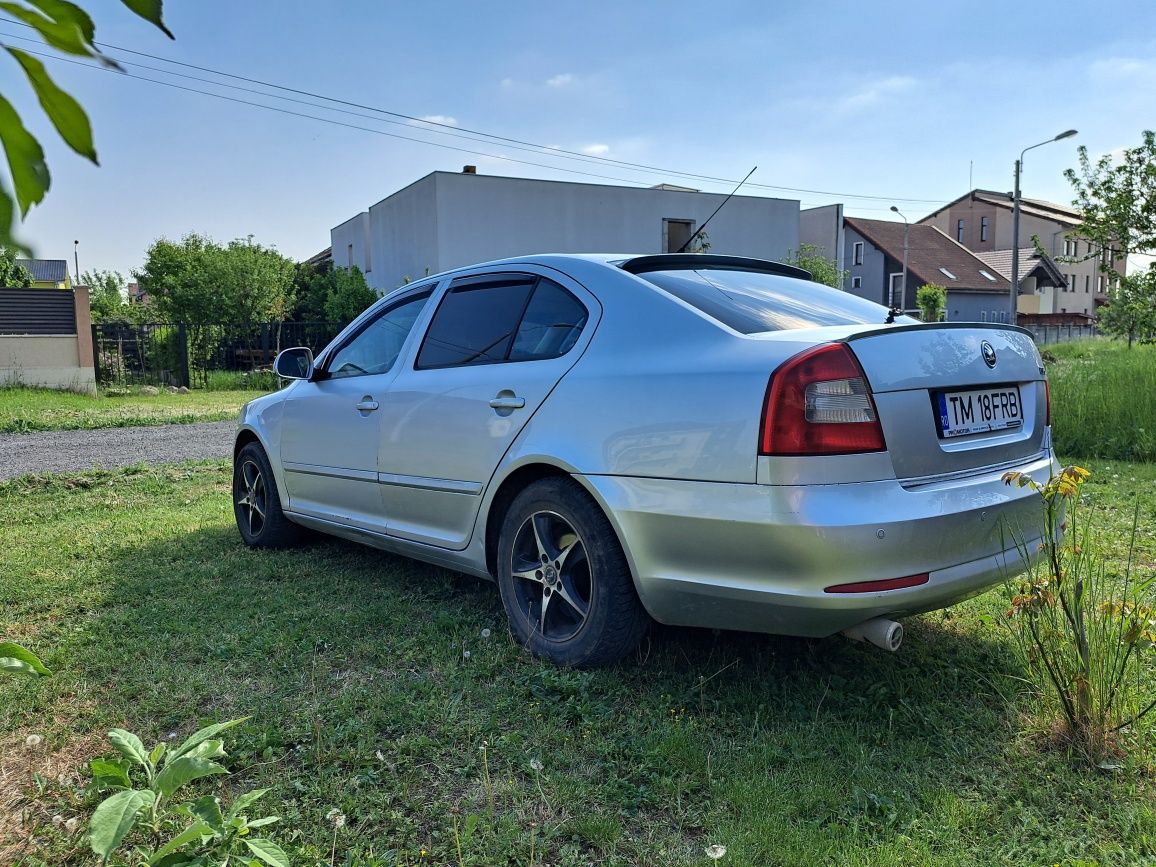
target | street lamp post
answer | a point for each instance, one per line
(903, 279)
(76, 260)
(1015, 275)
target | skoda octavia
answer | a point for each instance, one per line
(695, 439)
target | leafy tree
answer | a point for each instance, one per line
(1131, 311)
(349, 295)
(67, 28)
(106, 293)
(12, 274)
(311, 286)
(823, 270)
(200, 282)
(931, 299)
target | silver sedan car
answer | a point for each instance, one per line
(700, 440)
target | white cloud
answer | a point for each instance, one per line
(563, 79)
(1122, 67)
(507, 82)
(596, 150)
(443, 119)
(875, 92)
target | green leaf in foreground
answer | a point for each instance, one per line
(25, 158)
(13, 657)
(202, 735)
(114, 818)
(64, 111)
(177, 772)
(129, 746)
(150, 10)
(268, 851)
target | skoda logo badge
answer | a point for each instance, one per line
(988, 352)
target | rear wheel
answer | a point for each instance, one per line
(256, 504)
(564, 579)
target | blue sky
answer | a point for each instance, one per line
(884, 99)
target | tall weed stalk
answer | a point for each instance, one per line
(1083, 628)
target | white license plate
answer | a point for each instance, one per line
(971, 412)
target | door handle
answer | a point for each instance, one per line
(367, 404)
(508, 402)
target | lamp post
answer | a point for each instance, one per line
(76, 260)
(903, 279)
(1015, 275)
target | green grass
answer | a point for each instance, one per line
(36, 409)
(1104, 399)
(350, 664)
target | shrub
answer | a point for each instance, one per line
(1083, 631)
(931, 299)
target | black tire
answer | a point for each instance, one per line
(557, 550)
(256, 504)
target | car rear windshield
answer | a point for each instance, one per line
(749, 302)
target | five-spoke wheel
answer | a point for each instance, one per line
(565, 582)
(256, 504)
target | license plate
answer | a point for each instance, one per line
(970, 412)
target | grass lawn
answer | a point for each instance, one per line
(33, 409)
(352, 667)
(1104, 399)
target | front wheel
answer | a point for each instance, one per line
(564, 579)
(256, 505)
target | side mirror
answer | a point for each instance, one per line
(295, 363)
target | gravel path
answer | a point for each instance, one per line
(75, 450)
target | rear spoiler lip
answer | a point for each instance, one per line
(928, 326)
(694, 261)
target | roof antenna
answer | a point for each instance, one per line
(702, 229)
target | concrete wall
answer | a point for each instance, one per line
(55, 360)
(448, 220)
(872, 273)
(977, 307)
(823, 228)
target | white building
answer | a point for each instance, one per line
(448, 220)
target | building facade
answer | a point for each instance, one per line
(981, 220)
(449, 220)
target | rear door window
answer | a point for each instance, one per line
(750, 302)
(499, 318)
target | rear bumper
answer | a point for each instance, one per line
(757, 557)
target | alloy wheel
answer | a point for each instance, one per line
(251, 501)
(554, 583)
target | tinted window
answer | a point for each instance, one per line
(377, 346)
(750, 302)
(551, 325)
(475, 323)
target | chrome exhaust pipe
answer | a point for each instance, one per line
(881, 632)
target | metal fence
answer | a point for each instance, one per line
(1045, 334)
(221, 355)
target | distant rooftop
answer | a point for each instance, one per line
(1033, 207)
(46, 270)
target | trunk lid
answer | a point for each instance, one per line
(954, 397)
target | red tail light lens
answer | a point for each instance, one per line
(1048, 402)
(818, 403)
(879, 586)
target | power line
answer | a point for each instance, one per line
(456, 131)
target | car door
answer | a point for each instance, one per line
(494, 349)
(330, 435)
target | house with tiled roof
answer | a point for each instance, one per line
(48, 273)
(981, 220)
(873, 257)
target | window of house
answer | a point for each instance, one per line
(983, 228)
(857, 255)
(349, 261)
(1087, 282)
(376, 347)
(1067, 247)
(959, 231)
(987, 275)
(1100, 284)
(856, 282)
(676, 234)
(947, 273)
(895, 299)
(983, 316)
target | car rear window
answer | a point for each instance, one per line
(750, 302)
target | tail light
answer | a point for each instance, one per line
(1048, 402)
(818, 403)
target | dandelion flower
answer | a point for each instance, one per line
(380, 756)
(33, 741)
(536, 764)
(485, 633)
(465, 654)
(714, 852)
(336, 817)
(72, 825)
